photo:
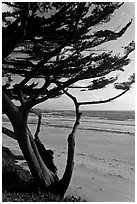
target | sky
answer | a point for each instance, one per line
(127, 102)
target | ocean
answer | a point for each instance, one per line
(108, 115)
(106, 121)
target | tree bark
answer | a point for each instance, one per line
(65, 181)
(40, 172)
(47, 180)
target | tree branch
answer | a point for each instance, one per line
(39, 122)
(39, 147)
(53, 91)
(78, 87)
(64, 182)
(9, 133)
(55, 52)
(103, 101)
(12, 111)
(10, 42)
(41, 90)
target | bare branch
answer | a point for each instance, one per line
(40, 91)
(9, 133)
(77, 87)
(103, 101)
(39, 122)
(71, 146)
(11, 110)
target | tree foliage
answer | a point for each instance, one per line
(59, 45)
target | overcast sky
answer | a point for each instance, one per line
(127, 102)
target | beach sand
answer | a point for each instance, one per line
(108, 174)
(104, 168)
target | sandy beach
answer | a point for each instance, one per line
(104, 158)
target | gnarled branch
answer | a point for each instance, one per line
(103, 101)
(9, 133)
(39, 122)
(64, 182)
(46, 155)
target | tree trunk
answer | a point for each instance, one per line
(47, 180)
(40, 172)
